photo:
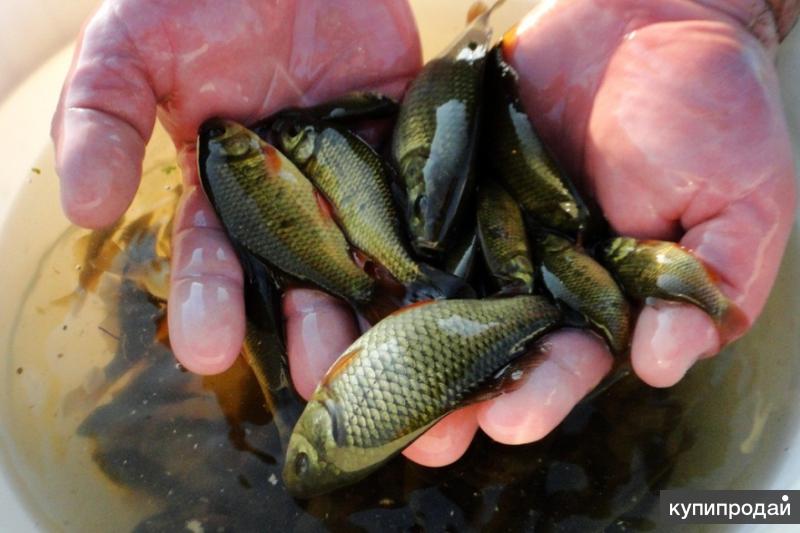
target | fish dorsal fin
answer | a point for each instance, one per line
(414, 305)
(475, 39)
(339, 366)
(479, 12)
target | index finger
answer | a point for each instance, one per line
(103, 120)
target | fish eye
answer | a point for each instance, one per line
(301, 464)
(215, 131)
(294, 130)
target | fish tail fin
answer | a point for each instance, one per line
(618, 373)
(732, 323)
(480, 12)
(435, 284)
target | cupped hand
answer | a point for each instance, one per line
(670, 114)
(669, 111)
(186, 62)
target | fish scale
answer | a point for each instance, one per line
(403, 375)
(270, 208)
(662, 269)
(366, 208)
(432, 143)
(503, 239)
(581, 283)
(456, 362)
(521, 160)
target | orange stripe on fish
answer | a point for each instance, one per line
(273, 159)
(409, 307)
(324, 206)
(339, 366)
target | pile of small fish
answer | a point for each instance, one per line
(307, 202)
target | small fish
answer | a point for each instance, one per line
(520, 159)
(356, 182)
(403, 375)
(434, 138)
(666, 270)
(503, 240)
(272, 211)
(577, 281)
(264, 346)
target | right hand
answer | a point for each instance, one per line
(671, 112)
(189, 61)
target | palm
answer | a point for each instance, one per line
(241, 59)
(670, 115)
(651, 122)
(673, 116)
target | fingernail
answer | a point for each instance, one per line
(206, 323)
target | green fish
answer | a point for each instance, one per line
(434, 138)
(580, 283)
(271, 210)
(503, 241)
(521, 161)
(264, 346)
(403, 375)
(666, 270)
(355, 180)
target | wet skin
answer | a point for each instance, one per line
(646, 101)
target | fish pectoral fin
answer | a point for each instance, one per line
(733, 323)
(510, 377)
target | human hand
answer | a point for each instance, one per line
(671, 113)
(188, 61)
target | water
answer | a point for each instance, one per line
(107, 432)
(104, 431)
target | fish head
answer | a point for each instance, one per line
(227, 140)
(296, 138)
(310, 469)
(220, 144)
(616, 250)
